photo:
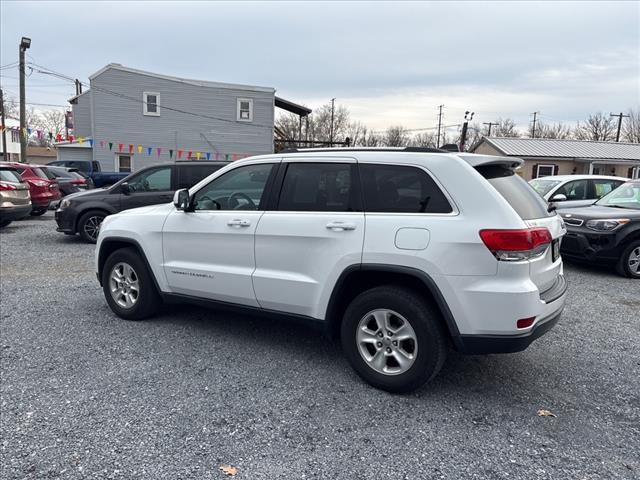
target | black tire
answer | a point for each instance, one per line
(426, 321)
(626, 261)
(4, 223)
(147, 302)
(38, 212)
(87, 225)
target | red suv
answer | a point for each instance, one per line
(43, 186)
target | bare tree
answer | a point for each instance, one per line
(597, 127)
(287, 124)
(554, 130)
(631, 126)
(48, 122)
(505, 128)
(369, 138)
(425, 139)
(396, 136)
(12, 108)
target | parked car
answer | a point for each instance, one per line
(42, 186)
(607, 232)
(93, 170)
(83, 212)
(69, 179)
(447, 255)
(15, 199)
(568, 191)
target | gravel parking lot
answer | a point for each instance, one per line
(87, 395)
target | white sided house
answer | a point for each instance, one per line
(545, 156)
(129, 119)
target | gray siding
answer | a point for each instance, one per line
(75, 153)
(82, 116)
(119, 119)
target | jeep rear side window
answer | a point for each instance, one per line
(521, 196)
(318, 187)
(401, 189)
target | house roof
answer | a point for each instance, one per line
(292, 107)
(198, 83)
(555, 148)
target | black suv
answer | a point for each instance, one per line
(83, 212)
(608, 231)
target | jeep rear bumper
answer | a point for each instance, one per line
(483, 344)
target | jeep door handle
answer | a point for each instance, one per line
(238, 223)
(341, 226)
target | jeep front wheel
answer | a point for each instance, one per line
(393, 338)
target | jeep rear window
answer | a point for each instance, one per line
(521, 196)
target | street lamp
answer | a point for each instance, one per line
(463, 136)
(25, 43)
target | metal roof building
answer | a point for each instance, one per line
(545, 156)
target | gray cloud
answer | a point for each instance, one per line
(390, 62)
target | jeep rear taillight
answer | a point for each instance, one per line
(514, 245)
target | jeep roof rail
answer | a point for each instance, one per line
(367, 149)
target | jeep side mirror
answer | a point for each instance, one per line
(125, 189)
(559, 198)
(181, 200)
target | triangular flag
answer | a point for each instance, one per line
(101, 143)
(80, 140)
(24, 132)
(139, 148)
(130, 148)
(149, 151)
(179, 154)
(197, 155)
(50, 136)
(39, 133)
(70, 138)
(110, 145)
(171, 154)
(217, 156)
(58, 137)
(208, 155)
(28, 131)
(91, 142)
(120, 147)
(189, 155)
(226, 157)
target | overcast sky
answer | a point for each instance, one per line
(389, 63)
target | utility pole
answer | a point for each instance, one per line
(333, 100)
(489, 124)
(533, 130)
(468, 116)
(620, 117)
(4, 129)
(25, 43)
(439, 124)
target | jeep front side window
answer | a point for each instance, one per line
(239, 189)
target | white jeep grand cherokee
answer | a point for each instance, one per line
(400, 252)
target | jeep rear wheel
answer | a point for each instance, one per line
(393, 338)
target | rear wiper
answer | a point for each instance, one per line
(551, 208)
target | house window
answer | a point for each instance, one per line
(151, 104)
(124, 163)
(545, 170)
(15, 136)
(245, 110)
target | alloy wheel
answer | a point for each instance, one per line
(124, 285)
(634, 260)
(387, 342)
(92, 226)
